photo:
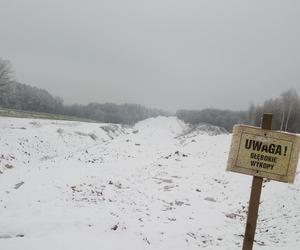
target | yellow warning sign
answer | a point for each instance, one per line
(264, 153)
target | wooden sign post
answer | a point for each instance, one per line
(266, 123)
(262, 153)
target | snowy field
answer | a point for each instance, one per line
(157, 185)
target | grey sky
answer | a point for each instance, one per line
(161, 53)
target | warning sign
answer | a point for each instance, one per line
(264, 153)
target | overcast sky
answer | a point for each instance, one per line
(168, 54)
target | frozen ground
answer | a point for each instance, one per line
(157, 185)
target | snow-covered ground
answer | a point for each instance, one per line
(157, 185)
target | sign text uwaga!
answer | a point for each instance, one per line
(264, 153)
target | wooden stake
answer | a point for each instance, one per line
(266, 123)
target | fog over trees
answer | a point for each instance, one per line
(285, 110)
(221, 118)
(15, 95)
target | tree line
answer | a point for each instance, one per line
(285, 110)
(15, 95)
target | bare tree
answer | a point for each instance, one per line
(289, 99)
(5, 73)
(288, 116)
(282, 118)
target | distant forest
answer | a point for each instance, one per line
(15, 95)
(285, 110)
